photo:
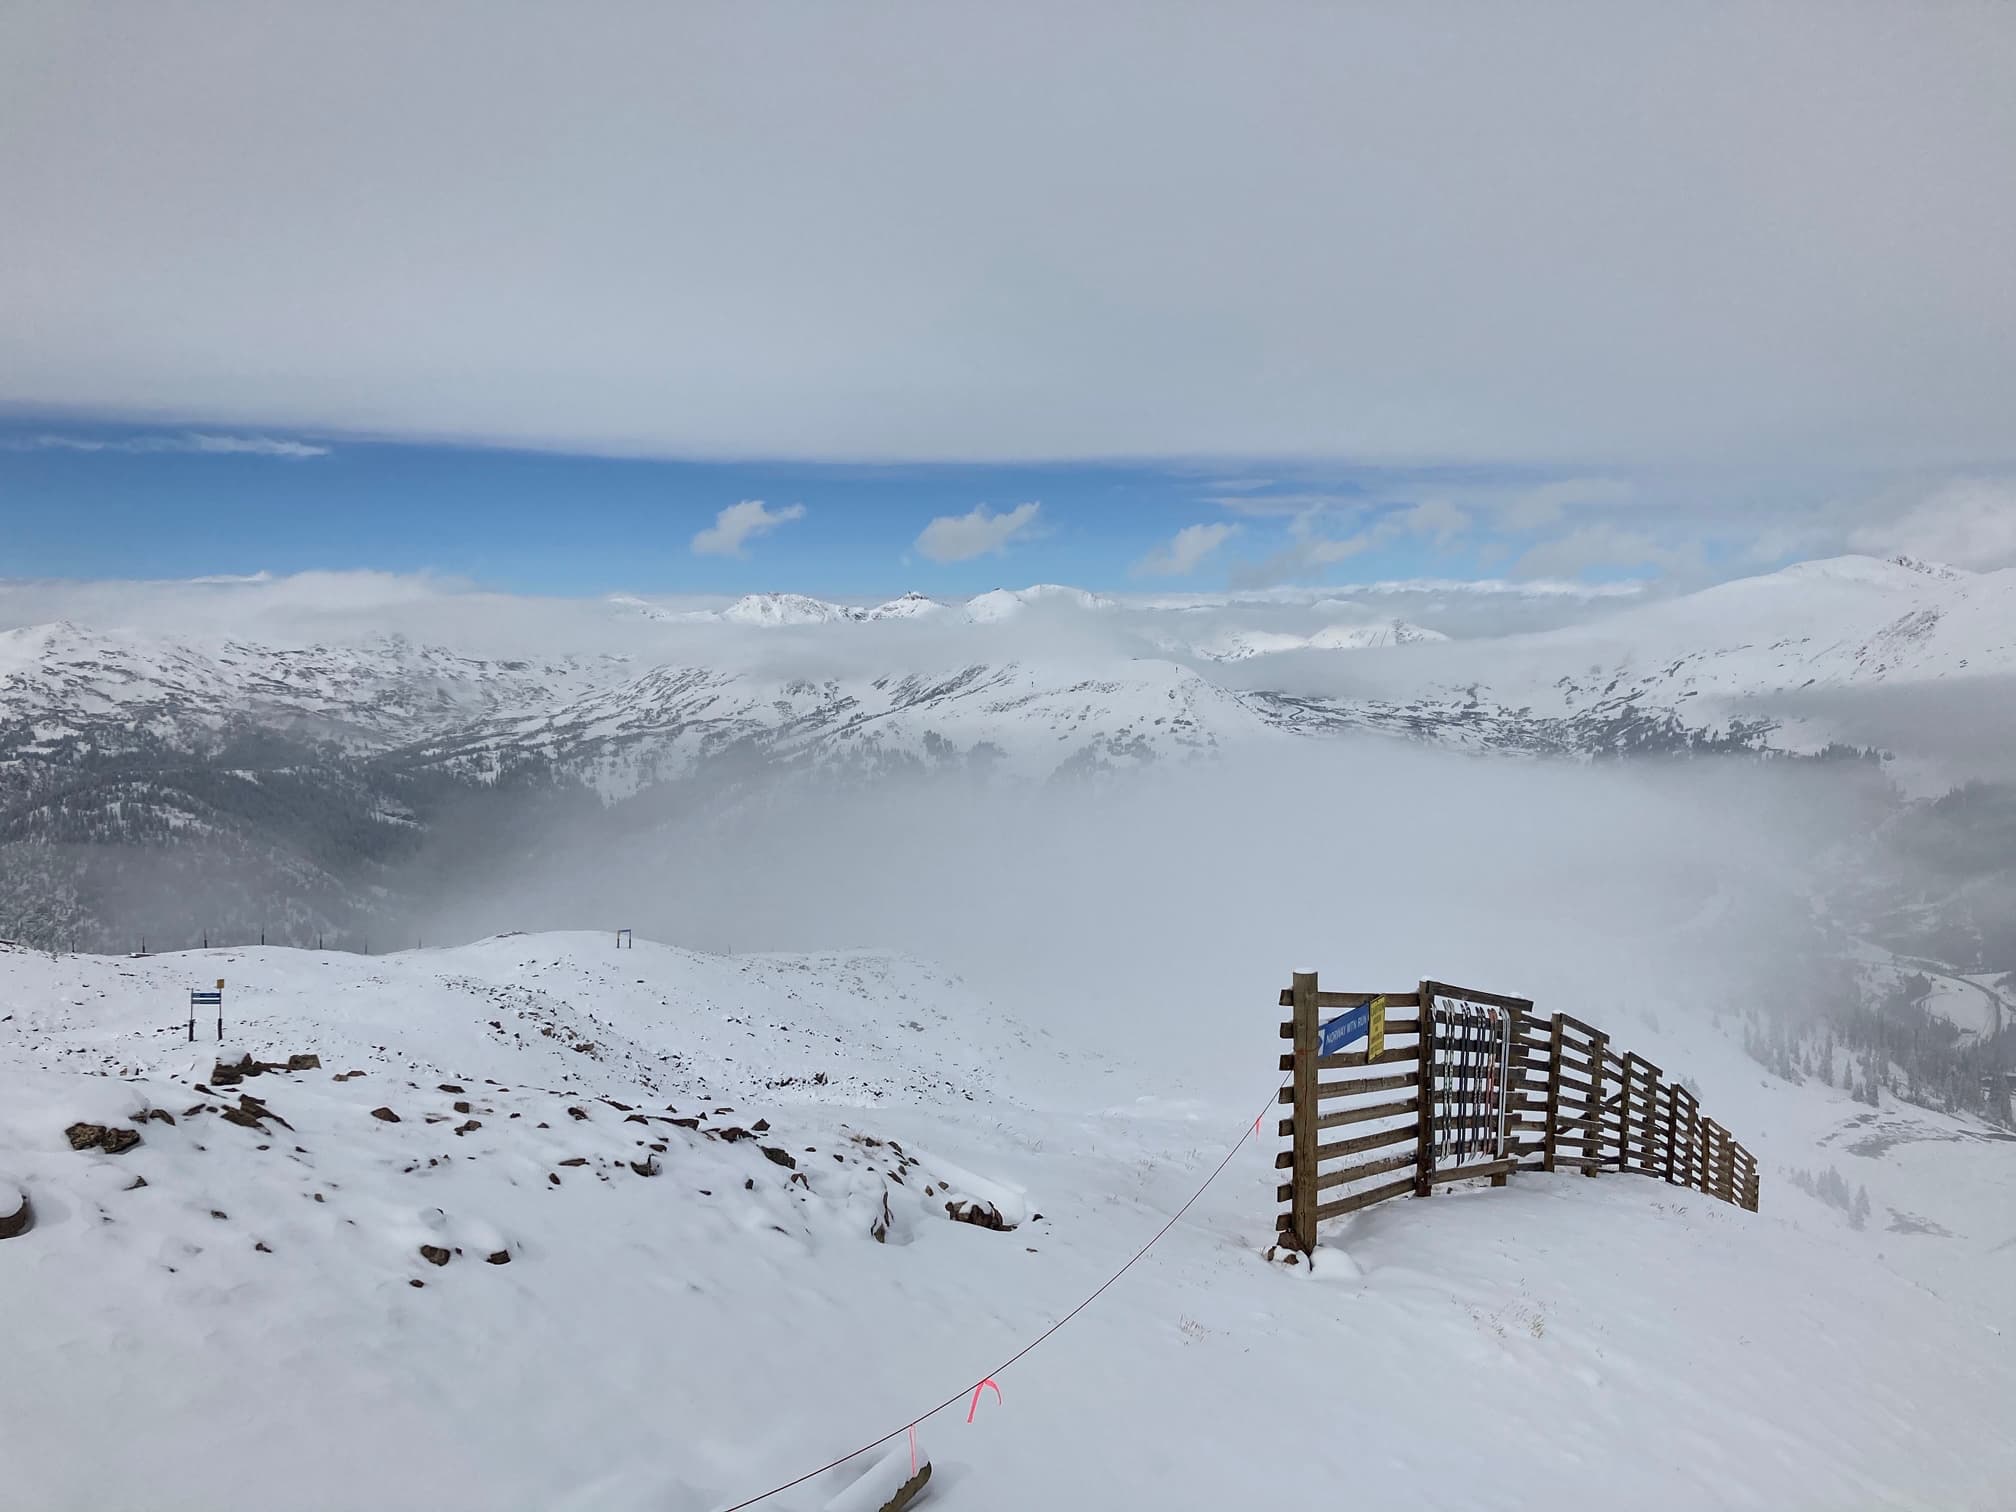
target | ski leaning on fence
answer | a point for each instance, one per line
(1452, 1084)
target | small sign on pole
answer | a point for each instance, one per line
(1375, 1029)
(624, 941)
(207, 1000)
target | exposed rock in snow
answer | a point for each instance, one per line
(17, 1214)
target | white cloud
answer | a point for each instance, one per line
(1782, 542)
(1308, 554)
(1300, 506)
(196, 442)
(1603, 544)
(1541, 266)
(960, 538)
(1533, 508)
(1436, 517)
(738, 524)
(1969, 522)
(1186, 551)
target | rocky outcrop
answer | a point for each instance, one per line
(90, 1136)
(980, 1214)
(22, 1219)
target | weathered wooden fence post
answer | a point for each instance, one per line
(1672, 1100)
(1302, 1201)
(1592, 1131)
(1424, 1115)
(1553, 1135)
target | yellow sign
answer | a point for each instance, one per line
(1375, 1044)
(220, 984)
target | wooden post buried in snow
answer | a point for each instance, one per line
(889, 1485)
(1553, 1142)
(1302, 1199)
(1424, 1093)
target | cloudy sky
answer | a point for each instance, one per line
(860, 298)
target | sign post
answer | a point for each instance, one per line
(207, 1000)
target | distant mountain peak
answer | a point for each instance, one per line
(1938, 570)
(786, 609)
(1005, 603)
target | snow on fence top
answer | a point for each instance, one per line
(1493, 1088)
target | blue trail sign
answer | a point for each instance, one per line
(1351, 1024)
(1367, 1021)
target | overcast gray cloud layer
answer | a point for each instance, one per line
(1757, 233)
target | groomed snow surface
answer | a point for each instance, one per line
(678, 1328)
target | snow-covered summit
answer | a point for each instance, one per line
(770, 609)
(1243, 645)
(1001, 604)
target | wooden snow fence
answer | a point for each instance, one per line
(1472, 1085)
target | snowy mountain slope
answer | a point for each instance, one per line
(1850, 621)
(1705, 659)
(772, 610)
(1239, 645)
(676, 1328)
(64, 686)
(1040, 718)
(1001, 604)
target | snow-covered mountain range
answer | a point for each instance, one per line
(120, 735)
(1703, 659)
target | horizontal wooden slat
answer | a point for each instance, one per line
(1353, 999)
(1363, 1087)
(1407, 1029)
(1359, 1115)
(1473, 995)
(1352, 1060)
(1347, 1174)
(1344, 1175)
(1365, 1199)
(1472, 1172)
(1343, 1147)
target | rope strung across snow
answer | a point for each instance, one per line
(990, 1379)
